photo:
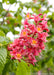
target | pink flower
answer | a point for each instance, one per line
(13, 52)
(44, 24)
(33, 42)
(26, 22)
(32, 28)
(39, 29)
(18, 56)
(42, 36)
(28, 15)
(36, 18)
(44, 16)
(24, 33)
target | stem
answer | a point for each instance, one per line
(48, 71)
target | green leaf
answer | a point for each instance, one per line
(19, 18)
(23, 69)
(1, 7)
(52, 53)
(4, 28)
(4, 40)
(6, 67)
(4, 1)
(2, 33)
(3, 13)
(12, 1)
(50, 62)
(3, 55)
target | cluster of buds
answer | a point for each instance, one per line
(31, 40)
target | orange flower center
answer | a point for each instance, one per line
(24, 33)
(18, 55)
(34, 41)
(28, 38)
(36, 17)
(39, 29)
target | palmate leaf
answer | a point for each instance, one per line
(4, 40)
(23, 69)
(3, 55)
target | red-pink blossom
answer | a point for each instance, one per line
(31, 40)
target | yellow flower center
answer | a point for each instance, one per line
(34, 41)
(39, 29)
(24, 33)
(18, 55)
(45, 16)
(28, 16)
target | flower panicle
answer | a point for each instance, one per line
(31, 40)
